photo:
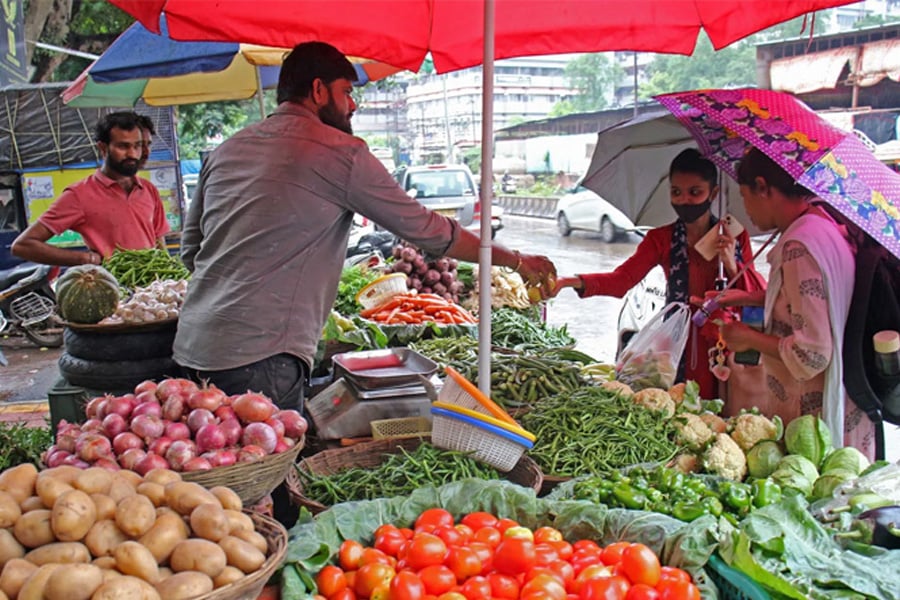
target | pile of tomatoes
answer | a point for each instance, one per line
(486, 558)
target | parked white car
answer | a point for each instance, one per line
(584, 210)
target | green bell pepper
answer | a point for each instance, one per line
(765, 492)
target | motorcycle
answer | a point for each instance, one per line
(28, 304)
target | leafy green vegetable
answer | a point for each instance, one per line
(845, 459)
(685, 545)
(353, 279)
(810, 437)
(790, 554)
(21, 443)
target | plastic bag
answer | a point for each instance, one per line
(650, 360)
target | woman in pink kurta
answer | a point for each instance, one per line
(806, 305)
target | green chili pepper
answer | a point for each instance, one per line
(628, 496)
(765, 492)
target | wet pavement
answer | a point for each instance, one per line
(30, 373)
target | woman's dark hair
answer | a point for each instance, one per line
(757, 163)
(310, 61)
(125, 120)
(691, 161)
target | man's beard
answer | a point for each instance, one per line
(329, 115)
(128, 167)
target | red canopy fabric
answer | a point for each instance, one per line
(401, 32)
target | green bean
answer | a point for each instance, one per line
(591, 430)
(139, 268)
(398, 475)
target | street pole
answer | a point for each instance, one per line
(447, 121)
(635, 85)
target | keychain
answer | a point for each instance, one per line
(717, 358)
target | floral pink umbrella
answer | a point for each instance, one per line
(832, 163)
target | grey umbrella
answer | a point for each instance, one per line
(630, 170)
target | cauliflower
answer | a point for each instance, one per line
(725, 458)
(677, 393)
(656, 399)
(686, 463)
(618, 387)
(692, 431)
(749, 428)
(714, 421)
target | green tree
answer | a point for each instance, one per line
(594, 77)
(562, 108)
(199, 124)
(472, 158)
(733, 66)
(85, 25)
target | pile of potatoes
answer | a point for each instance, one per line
(79, 534)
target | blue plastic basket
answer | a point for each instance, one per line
(493, 445)
(731, 583)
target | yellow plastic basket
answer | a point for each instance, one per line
(460, 391)
(407, 427)
(488, 443)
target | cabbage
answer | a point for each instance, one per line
(796, 471)
(845, 459)
(808, 436)
(825, 485)
(763, 458)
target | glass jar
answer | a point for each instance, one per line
(887, 352)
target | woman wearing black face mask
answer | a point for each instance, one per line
(693, 185)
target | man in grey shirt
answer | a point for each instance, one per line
(267, 230)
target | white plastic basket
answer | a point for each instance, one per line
(491, 445)
(382, 289)
(461, 392)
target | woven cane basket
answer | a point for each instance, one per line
(251, 481)
(249, 587)
(371, 454)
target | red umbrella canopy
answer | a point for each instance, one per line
(401, 32)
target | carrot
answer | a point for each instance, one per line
(368, 312)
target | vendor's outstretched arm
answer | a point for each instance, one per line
(534, 269)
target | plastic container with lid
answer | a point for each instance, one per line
(382, 289)
(887, 352)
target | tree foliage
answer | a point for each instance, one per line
(594, 77)
(200, 125)
(734, 66)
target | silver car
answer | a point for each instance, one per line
(583, 209)
(449, 190)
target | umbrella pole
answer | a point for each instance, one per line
(721, 280)
(259, 95)
(487, 193)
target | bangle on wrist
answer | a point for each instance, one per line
(518, 260)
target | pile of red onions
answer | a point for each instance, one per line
(434, 277)
(177, 425)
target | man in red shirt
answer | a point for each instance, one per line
(111, 208)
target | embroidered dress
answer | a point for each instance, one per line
(806, 303)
